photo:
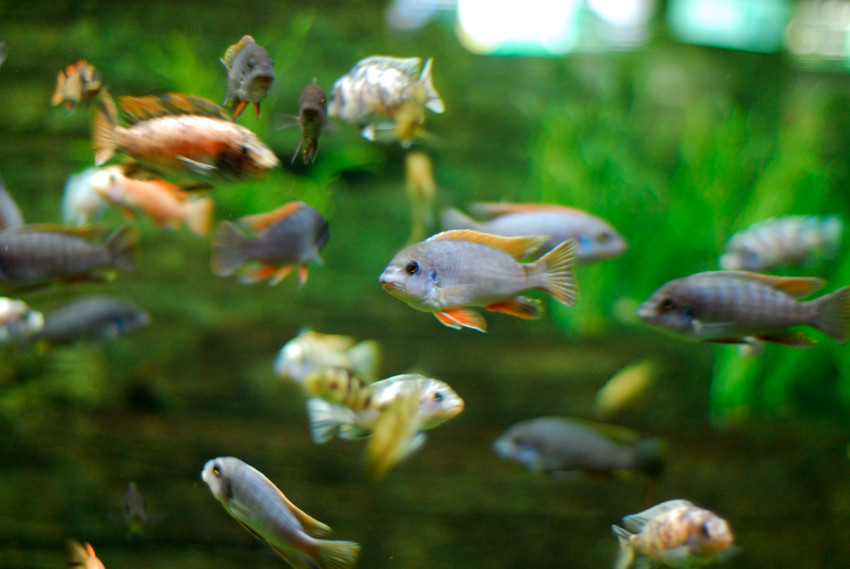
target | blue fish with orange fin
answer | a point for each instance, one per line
(291, 235)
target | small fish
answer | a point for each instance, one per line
(135, 512)
(455, 269)
(559, 446)
(291, 235)
(94, 317)
(250, 73)
(624, 388)
(78, 84)
(81, 204)
(312, 118)
(83, 556)
(18, 322)
(672, 534)
(730, 306)
(596, 238)
(185, 139)
(780, 241)
(312, 350)
(421, 190)
(165, 203)
(37, 254)
(382, 87)
(262, 509)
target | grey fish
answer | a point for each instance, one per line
(250, 73)
(291, 235)
(559, 445)
(94, 317)
(312, 118)
(135, 511)
(312, 350)
(262, 509)
(731, 306)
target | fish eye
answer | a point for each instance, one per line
(216, 470)
(704, 530)
(667, 305)
(412, 268)
(438, 396)
(604, 237)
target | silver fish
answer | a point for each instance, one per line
(789, 240)
(560, 445)
(250, 73)
(729, 306)
(18, 322)
(262, 509)
(596, 238)
(456, 269)
(94, 317)
(312, 350)
(81, 203)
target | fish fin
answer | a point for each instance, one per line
(311, 525)
(452, 218)
(228, 249)
(636, 522)
(365, 358)
(263, 220)
(253, 275)
(458, 317)
(626, 553)
(58, 96)
(495, 209)
(794, 286)
(787, 338)
(295, 559)
(558, 276)
(302, 275)
(516, 247)
(337, 554)
(297, 148)
(199, 215)
(834, 314)
(139, 109)
(395, 434)
(326, 419)
(231, 51)
(104, 140)
(122, 248)
(279, 274)
(434, 102)
(198, 167)
(257, 109)
(238, 108)
(520, 306)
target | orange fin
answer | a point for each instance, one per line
(795, 286)
(279, 275)
(516, 247)
(302, 275)
(311, 525)
(231, 52)
(257, 108)
(261, 273)
(793, 339)
(520, 306)
(495, 209)
(138, 109)
(238, 108)
(459, 317)
(262, 220)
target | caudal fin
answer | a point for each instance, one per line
(649, 456)
(834, 314)
(104, 140)
(558, 276)
(337, 554)
(228, 249)
(627, 552)
(199, 215)
(122, 248)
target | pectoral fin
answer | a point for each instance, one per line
(459, 317)
(520, 306)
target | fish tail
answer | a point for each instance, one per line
(434, 102)
(626, 555)
(199, 216)
(558, 277)
(122, 248)
(451, 218)
(834, 314)
(649, 456)
(337, 554)
(325, 419)
(104, 140)
(228, 249)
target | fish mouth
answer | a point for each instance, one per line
(389, 285)
(645, 312)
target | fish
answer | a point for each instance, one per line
(421, 191)
(18, 322)
(91, 317)
(81, 204)
(261, 508)
(185, 139)
(728, 307)
(77, 84)
(597, 239)
(312, 118)
(312, 350)
(781, 241)
(381, 88)
(135, 512)
(38, 254)
(453, 270)
(291, 235)
(165, 203)
(83, 556)
(10, 214)
(250, 73)
(672, 534)
(624, 387)
(560, 446)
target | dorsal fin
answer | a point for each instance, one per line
(311, 525)
(231, 52)
(262, 220)
(138, 109)
(795, 286)
(516, 247)
(494, 209)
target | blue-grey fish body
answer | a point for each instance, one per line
(250, 73)
(312, 118)
(94, 317)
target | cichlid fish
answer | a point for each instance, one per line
(312, 118)
(37, 254)
(455, 269)
(559, 445)
(186, 139)
(81, 204)
(262, 509)
(18, 322)
(133, 507)
(311, 350)
(779, 241)
(291, 235)
(381, 87)
(165, 203)
(672, 534)
(79, 83)
(82, 556)
(730, 306)
(596, 238)
(250, 73)
(94, 317)
(10, 215)
(624, 388)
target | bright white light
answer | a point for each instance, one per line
(622, 13)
